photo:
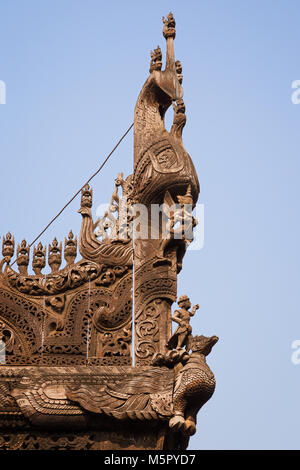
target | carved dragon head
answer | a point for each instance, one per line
(203, 344)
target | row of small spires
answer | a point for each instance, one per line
(39, 253)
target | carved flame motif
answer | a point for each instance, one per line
(39, 258)
(70, 250)
(8, 246)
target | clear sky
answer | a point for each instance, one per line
(73, 70)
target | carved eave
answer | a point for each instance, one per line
(122, 406)
(61, 396)
(64, 281)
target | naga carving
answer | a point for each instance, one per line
(69, 377)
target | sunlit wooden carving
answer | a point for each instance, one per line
(70, 378)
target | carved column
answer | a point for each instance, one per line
(155, 291)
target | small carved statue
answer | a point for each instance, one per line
(183, 333)
(179, 224)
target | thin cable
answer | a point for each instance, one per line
(72, 199)
(133, 311)
(88, 325)
(43, 319)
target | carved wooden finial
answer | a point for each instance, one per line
(23, 257)
(169, 33)
(8, 246)
(86, 196)
(39, 258)
(178, 67)
(70, 248)
(169, 26)
(156, 59)
(54, 255)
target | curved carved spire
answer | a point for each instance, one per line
(161, 162)
(112, 252)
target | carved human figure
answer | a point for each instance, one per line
(183, 333)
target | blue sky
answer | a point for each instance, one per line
(73, 71)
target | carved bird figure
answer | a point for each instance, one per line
(194, 386)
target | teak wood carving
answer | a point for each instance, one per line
(67, 379)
